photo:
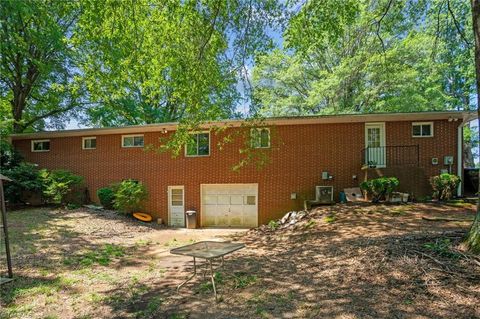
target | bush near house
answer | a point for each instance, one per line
(379, 188)
(106, 195)
(444, 186)
(58, 183)
(28, 181)
(25, 178)
(129, 196)
(9, 157)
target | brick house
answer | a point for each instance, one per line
(302, 153)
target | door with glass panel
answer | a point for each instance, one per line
(176, 206)
(375, 152)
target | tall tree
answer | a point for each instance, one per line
(385, 55)
(37, 74)
(151, 61)
(473, 238)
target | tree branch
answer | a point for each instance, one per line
(457, 25)
(48, 114)
(437, 31)
(379, 22)
(212, 29)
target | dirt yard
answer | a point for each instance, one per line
(345, 261)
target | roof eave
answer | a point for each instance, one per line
(305, 120)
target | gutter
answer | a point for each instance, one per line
(303, 120)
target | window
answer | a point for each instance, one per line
(199, 145)
(132, 140)
(41, 146)
(89, 143)
(177, 197)
(260, 137)
(250, 200)
(422, 129)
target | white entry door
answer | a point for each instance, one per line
(176, 206)
(375, 153)
(230, 205)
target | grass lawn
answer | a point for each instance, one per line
(344, 261)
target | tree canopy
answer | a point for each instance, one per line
(373, 56)
(127, 62)
(38, 80)
(116, 62)
(161, 61)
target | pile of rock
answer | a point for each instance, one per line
(291, 218)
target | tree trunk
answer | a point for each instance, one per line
(17, 113)
(473, 237)
(468, 158)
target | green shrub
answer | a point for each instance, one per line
(72, 206)
(129, 196)
(444, 186)
(58, 183)
(442, 246)
(106, 195)
(9, 157)
(273, 224)
(379, 188)
(25, 177)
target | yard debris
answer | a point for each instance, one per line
(354, 194)
(289, 219)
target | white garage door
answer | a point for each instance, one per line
(231, 205)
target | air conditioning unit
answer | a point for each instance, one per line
(324, 194)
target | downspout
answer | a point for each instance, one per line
(460, 158)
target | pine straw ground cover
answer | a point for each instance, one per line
(344, 261)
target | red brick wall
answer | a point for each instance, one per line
(298, 156)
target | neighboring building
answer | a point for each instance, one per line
(303, 152)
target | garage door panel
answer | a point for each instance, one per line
(250, 221)
(236, 221)
(236, 210)
(222, 220)
(210, 199)
(209, 220)
(250, 200)
(250, 210)
(230, 205)
(251, 189)
(236, 199)
(221, 209)
(223, 199)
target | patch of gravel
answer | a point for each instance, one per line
(104, 225)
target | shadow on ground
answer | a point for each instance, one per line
(361, 262)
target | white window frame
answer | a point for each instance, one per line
(209, 144)
(88, 138)
(422, 123)
(259, 129)
(133, 135)
(39, 141)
